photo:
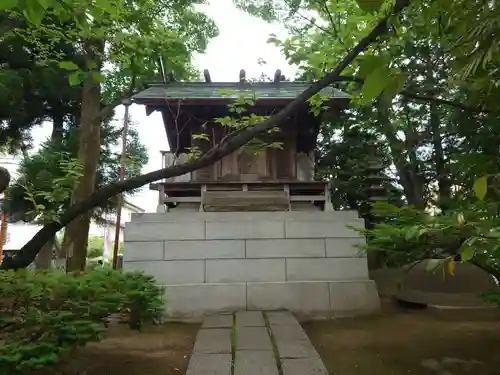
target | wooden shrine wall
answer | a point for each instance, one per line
(292, 162)
(271, 164)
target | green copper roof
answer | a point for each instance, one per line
(215, 90)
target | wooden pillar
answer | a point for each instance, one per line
(205, 173)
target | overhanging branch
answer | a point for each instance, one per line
(29, 251)
(107, 112)
(422, 97)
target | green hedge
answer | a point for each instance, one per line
(47, 315)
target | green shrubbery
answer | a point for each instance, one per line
(46, 315)
(468, 233)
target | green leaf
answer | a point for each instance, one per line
(201, 136)
(68, 65)
(33, 12)
(370, 63)
(481, 187)
(412, 233)
(374, 84)
(370, 6)
(394, 87)
(274, 40)
(8, 4)
(98, 77)
(467, 253)
(43, 3)
(75, 78)
(91, 64)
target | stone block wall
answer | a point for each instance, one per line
(306, 262)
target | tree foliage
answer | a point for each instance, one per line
(48, 177)
(230, 143)
(32, 92)
(427, 97)
(120, 44)
(45, 316)
(421, 88)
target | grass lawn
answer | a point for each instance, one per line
(408, 342)
(158, 350)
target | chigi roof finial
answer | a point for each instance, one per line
(206, 74)
(243, 75)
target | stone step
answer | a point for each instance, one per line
(231, 201)
(260, 344)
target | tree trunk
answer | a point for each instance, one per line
(56, 139)
(408, 177)
(43, 260)
(77, 232)
(57, 128)
(28, 252)
(44, 257)
(442, 176)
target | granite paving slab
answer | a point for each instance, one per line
(213, 341)
(209, 364)
(250, 319)
(292, 342)
(252, 350)
(253, 338)
(282, 318)
(296, 349)
(218, 321)
(290, 333)
(248, 362)
(303, 366)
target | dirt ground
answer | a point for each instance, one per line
(158, 350)
(408, 342)
(399, 342)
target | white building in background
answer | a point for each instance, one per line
(19, 233)
(107, 228)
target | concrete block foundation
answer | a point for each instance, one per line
(212, 262)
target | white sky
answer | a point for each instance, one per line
(241, 42)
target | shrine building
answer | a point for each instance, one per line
(255, 230)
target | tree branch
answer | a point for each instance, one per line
(422, 97)
(107, 111)
(324, 5)
(29, 251)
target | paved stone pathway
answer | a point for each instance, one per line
(254, 343)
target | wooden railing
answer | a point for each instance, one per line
(317, 192)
